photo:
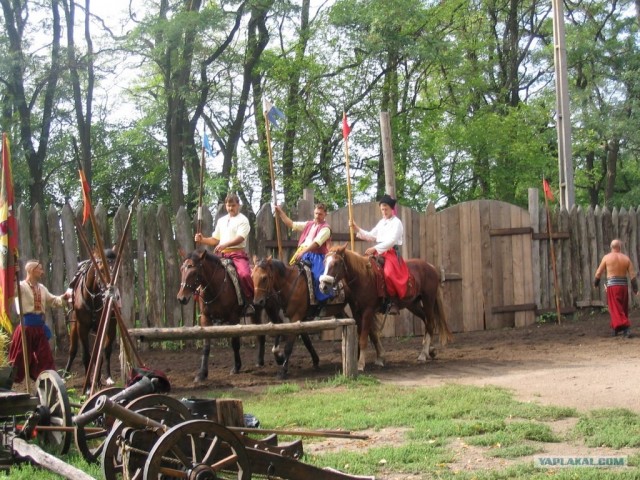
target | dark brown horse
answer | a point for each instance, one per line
(88, 300)
(357, 272)
(285, 287)
(206, 274)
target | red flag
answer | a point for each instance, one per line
(346, 129)
(86, 199)
(547, 190)
(8, 238)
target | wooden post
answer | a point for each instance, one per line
(387, 155)
(350, 351)
(230, 412)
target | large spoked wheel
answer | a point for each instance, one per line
(198, 450)
(90, 438)
(54, 411)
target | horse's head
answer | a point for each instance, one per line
(191, 275)
(335, 269)
(262, 281)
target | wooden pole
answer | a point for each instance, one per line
(553, 259)
(267, 128)
(346, 158)
(23, 337)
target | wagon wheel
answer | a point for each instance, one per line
(116, 463)
(90, 444)
(54, 410)
(198, 449)
(162, 401)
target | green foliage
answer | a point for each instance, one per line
(614, 428)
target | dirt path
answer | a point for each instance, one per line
(576, 364)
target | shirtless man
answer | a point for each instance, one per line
(618, 266)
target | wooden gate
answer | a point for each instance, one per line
(483, 251)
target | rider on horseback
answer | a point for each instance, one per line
(388, 234)
(229, 239)
(313, 244)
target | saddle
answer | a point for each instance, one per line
(377, 266)
(337, 299)
(233, 275)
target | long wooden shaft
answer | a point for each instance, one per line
(267, 129)
(199, 224)
(349, 203)
(553, 260)
(301, 433)
(23, 336)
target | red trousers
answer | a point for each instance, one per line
(241, 262)
(40, 356)
(618, 300)
(396, 274)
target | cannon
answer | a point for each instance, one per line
(156, 442)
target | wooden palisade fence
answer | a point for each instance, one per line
(150, 275)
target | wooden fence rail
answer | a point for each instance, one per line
(149, 280)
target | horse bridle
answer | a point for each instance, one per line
(202, 285)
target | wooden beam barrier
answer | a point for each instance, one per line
(348, 325)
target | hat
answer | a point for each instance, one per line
(386, 199)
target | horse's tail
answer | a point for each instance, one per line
(441, 319)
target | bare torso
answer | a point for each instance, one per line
(616, 264)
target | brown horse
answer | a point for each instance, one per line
(285, 287)
(89, 299)
(357, 272)
(206, 274)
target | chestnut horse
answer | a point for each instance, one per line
(88, 300)
(356, 271)
(285, 287)
(206, 274)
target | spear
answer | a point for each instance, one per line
(267, 127)
(346, 129)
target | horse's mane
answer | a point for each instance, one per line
(197, 254)
(358, 264)
(277, 265)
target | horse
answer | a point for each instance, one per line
(425, 301)
(88, 301)
(206, 274)
(286, 288)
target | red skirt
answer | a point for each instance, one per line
(618, 300)
(396, 274)
(40, 356)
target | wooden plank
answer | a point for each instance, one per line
(497, 232)
(126, 276)
(602, 216)
(527, 270)
(502, 275)
(545, 277)
(406, 323)
(141, 292)
(153, 260)
(517, 246)
(172, 310)
(523, 307)
(486, 260)
(564, 246)
(449, 241)
(554, 235)
(592, 242)
(534, 215)
(185, 230)
(583, 246)
(59, 327)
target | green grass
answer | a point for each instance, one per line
(430, 420)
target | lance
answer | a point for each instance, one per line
(345, 134)
(267, 128)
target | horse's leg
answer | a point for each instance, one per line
(108, 349)
(374, 336)
(73, 344)
(426, 314)
(288, 350)
(203, 372)
(364, 338)
(237, 362)
(306, 339)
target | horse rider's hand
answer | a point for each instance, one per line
(354, 225)
(198, 237)
(370, 251)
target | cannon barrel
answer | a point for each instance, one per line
(138, 389)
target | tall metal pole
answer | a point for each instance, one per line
(563, 120)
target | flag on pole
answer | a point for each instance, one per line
(86, 199)
(8, 238)
(273, 113)
(346, 129)
(547, 190)
(207, 145)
